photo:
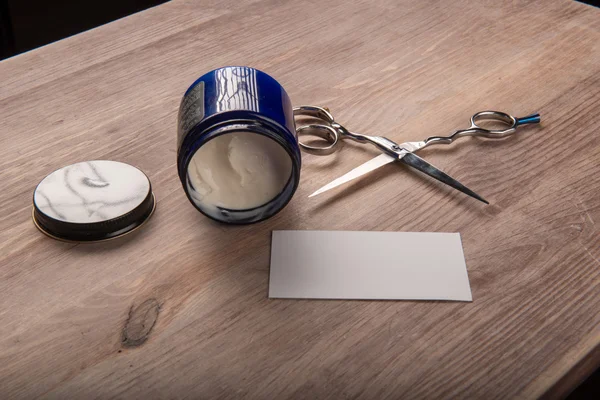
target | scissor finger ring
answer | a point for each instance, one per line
(321, 113)
(323, 131)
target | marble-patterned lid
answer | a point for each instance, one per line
(92, 201)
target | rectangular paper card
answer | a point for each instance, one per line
(368, 265)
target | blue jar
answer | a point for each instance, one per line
(238, 157)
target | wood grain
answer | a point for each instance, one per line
(179, 310)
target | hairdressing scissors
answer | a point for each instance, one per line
(500, 125)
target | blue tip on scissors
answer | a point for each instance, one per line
(530, 119)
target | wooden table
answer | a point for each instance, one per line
(180, 309)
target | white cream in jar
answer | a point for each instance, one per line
(239, 171)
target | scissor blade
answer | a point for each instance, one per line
(367, 167)
(428, 169)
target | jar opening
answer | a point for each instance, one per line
(239, 174)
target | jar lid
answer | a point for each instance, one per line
(92, 201)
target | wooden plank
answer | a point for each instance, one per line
(405, 70)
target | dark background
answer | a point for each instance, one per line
(27, 24)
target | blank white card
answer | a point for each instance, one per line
(368, 265)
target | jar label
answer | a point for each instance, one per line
(191, 111)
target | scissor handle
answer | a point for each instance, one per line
(321, 113)
(333, 133)
(324, 130)
(508, 123)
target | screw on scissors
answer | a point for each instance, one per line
(333, 133)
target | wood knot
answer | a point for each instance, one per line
(140, 322)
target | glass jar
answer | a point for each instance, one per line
(238, 156)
